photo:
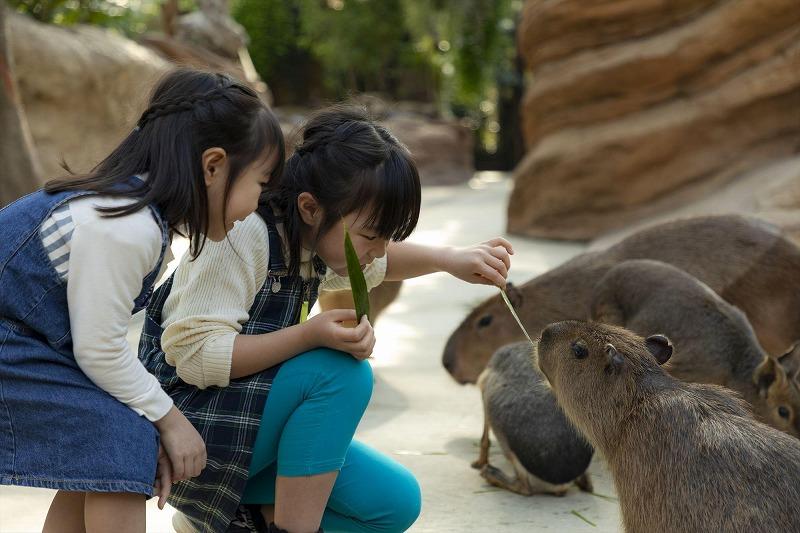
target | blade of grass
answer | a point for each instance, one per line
(519, 322)
(358, 284)
(579, 515)
(603, 497)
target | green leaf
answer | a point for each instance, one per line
(357, 282)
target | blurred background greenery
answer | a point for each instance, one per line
(457, 55)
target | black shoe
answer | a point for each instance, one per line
(248, 519)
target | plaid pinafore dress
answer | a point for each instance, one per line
(228, 418)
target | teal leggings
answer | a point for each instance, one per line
(311, 414)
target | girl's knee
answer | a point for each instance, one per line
(407, 503)
(341, 373)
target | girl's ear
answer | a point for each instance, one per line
(215, 164)
(309, 209)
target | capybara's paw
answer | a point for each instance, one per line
(584, 482)
(491, 474)
(479, 463)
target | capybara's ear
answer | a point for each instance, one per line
(660, 347)
(615, 360)
(514, 295)
(790, 361)
(767, 373)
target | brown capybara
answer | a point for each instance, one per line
(749, 263)
(547, 453)
(684, 456)
(713, 340)
(379, 299)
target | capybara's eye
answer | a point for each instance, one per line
(784, 412)
(485, 321)
(579, 349)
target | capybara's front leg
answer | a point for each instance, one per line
(483, 456)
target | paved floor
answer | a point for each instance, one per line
(418, 414)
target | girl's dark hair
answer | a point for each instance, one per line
(189, 112)
(348, 163)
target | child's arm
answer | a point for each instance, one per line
(254, 353)
(486, 263)
(108, 259)
(209, 302)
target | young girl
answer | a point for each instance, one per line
(78, 411)
(276, 397)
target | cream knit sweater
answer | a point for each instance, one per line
(211, 296)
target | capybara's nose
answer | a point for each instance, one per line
(448, 364)
(449, 356)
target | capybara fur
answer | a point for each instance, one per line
(684, 456)
(545, 450)
(748, 262)
(379, 299)
(713, 340)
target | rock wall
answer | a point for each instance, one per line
(82, 89)
(635, 107)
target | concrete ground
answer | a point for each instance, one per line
(418, 414)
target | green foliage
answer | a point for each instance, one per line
(358, 284)
(457, 53)
(127, 16)
(273, 29)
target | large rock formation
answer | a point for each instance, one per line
(442, 149)
(20, 164)
(82, 89)
(636, 107)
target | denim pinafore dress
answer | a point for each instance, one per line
(58, 429)
(228, 418)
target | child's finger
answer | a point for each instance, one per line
(363, 327)
(497, 264)
(164, 481)
(499, 241)
(493, 276)
(502, 254)
(163, 494)
(341, 315)
(354, 335)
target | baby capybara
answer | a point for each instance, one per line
(684, 456)
(547, 453)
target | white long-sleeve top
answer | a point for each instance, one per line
(103, 261)
(211, 297)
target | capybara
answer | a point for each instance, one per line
(748, 262)
(713, 340)
(684, 456)
(545, 450)
(379, 299)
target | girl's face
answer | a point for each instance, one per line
(243, 196)
(330, 246)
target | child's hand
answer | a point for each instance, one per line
(486, 263)
(163, 477)
(330, 331)
(184, 445)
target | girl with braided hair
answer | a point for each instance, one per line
(78, 411)
(278, 397)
